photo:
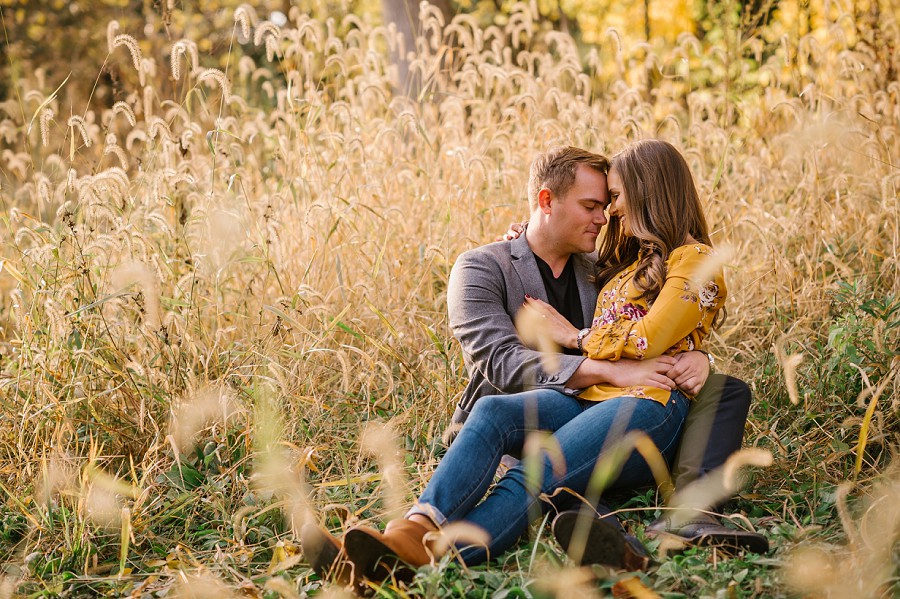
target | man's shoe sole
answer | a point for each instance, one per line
(323, 552)
(605, 544)
(706, 534)
(722, 536)
(374, 560)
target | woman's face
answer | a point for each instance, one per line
(618, 202)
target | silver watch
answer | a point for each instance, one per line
(579, 339)
(712, 362)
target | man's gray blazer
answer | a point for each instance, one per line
(487, 288)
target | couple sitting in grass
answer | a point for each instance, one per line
(630, 362)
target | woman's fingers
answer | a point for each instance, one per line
(664, 364)
(514, 231)
(538, 303)
(558, 328)
(662, 382)
(543, 307)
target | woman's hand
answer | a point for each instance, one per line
(653, 372)
(515, 230)
(690, 371)
(560, 330)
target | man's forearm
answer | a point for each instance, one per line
(590, 372)
(625, 373)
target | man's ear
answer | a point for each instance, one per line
(545, 198)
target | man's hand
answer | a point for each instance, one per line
(690, 371)
(624, 373)
(655, 372)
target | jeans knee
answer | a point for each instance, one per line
(493, 408)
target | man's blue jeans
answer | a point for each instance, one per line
(500, 424)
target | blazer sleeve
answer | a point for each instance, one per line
(477, 306)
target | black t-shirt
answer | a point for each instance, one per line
(562, 294)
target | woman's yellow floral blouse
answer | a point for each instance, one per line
(677, 321)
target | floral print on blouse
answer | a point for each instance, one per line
(677, 321)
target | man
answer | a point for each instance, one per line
(554, 261)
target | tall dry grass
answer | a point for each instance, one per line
(281, 231)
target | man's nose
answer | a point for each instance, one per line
(600, 217)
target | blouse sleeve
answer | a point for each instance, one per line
(683, 309)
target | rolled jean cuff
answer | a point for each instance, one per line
(429, 511)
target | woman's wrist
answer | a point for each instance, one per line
(580, 337)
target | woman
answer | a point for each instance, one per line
(656, 246)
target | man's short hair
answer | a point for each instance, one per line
(555, 170)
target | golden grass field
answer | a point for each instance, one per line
(213, 286)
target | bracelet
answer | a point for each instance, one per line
(579, 339)
(712, 363)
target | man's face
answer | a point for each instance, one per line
(577, 216)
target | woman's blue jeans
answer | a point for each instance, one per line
(500, 424)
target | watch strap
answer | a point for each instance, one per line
(579, 339)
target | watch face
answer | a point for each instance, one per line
(579, 339)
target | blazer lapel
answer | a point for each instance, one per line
(526, 268)
(586, 275)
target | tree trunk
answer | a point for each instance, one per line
(405, 15)
(649, 82)
(647, 20)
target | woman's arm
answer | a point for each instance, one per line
(688, 371)
(683, 308)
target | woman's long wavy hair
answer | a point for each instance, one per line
(663, 209)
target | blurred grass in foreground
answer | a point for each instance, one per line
(270, 243)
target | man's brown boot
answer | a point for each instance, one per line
(324, 554)
(402, 544)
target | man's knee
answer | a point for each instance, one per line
(735, 397)
(714, 428)
(723, 394)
